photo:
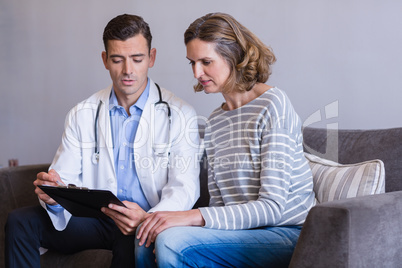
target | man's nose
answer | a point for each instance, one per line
(128, 67)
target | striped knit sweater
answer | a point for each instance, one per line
(257, 175)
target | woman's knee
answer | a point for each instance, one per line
(169, 245)
(167, 240)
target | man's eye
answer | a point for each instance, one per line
(207, 62)
(116, 61)
(137, 61)
(191, 62)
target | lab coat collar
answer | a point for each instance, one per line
(140, 103)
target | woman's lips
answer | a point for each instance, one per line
(204, 82)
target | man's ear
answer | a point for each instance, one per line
(152, 57)
(104, 59)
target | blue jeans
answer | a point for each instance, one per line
(202, 247)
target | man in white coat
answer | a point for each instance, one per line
(132, 138)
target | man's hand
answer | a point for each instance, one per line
(52, 179)
(126, 218)
(159, 221)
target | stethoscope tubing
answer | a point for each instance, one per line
(95, 159)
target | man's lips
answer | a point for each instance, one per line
(128, 82)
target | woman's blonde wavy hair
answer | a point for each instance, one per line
(249, 59)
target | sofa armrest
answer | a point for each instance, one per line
(16, 190)
(356, 232)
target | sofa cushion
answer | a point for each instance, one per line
(334, 181)
(348, 146)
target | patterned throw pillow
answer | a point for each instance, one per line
(334, 181)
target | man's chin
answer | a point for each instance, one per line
(128, 90)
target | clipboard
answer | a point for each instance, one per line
(81, 201)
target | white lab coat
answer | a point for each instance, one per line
(170, 182)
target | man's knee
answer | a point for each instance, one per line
(17, 218)
(24, 218)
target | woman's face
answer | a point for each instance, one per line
(209, 68)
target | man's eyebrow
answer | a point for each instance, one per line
(121, 56)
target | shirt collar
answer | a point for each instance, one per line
(140, 103)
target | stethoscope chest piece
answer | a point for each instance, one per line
(95, 158)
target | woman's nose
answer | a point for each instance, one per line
(197, 70)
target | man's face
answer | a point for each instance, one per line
(128, 62)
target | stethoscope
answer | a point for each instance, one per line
(95, 156)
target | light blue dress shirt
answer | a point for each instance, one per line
(124, 128)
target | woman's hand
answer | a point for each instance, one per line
(126, 218)
(162, 220)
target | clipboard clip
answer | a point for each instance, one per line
(73, 186)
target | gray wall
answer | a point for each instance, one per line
(339, 61)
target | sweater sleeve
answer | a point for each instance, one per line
(277, 157)
(214, 192)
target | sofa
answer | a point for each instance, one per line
(363, 231)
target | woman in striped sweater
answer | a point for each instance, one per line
(259, 181)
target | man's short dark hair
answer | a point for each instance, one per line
(124, 27)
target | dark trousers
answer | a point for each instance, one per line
(29, 228)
